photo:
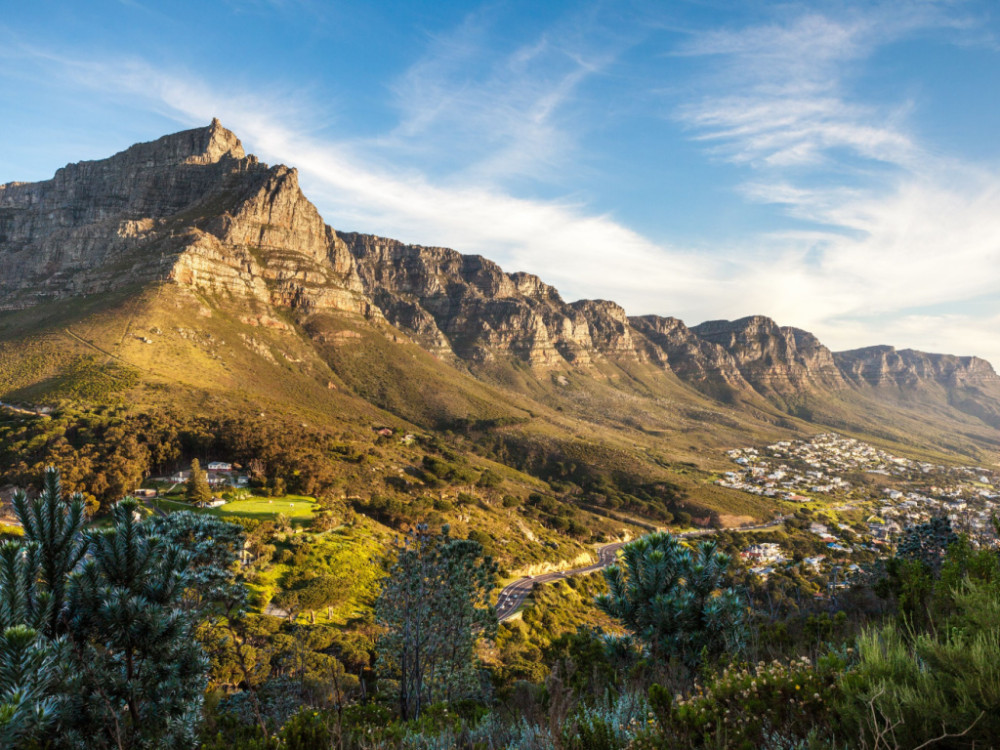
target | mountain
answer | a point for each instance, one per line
(464, 305)
(190, 208)
(774, 359)
(185, 274)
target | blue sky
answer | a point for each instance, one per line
(834, 165)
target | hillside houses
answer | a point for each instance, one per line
(220, 475)
(803, 470)
(766, 552)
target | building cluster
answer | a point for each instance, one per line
(762, 558)
(220, 475)
(904, 492)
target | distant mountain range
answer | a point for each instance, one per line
(208, 272)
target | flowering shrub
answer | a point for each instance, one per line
(610, 726)
(768, 705)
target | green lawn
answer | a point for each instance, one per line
(293, 506)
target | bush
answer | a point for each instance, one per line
(776, 704)
(919, 687)
(489, 479)
(609, 726)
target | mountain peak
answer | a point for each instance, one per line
(212, 143)
(209, 144)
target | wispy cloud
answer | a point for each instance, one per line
(900, 237)
(899, 227)
(485, 110)
(777, 93)
(561, 241)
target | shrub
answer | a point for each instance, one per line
(915, 688)
(776, 705)
(609, 726)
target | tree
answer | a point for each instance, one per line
(927, 543)
(321, 591)
(139, 672)
(52, 530)
(675, 599)
(31, 665)
(97, 628)
(212, 547)
(911, 574)
(33, 575)
(434, 606)
(198, 490)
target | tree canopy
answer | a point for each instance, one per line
(676, 598)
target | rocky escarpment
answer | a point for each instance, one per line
(190, 207)
(771, 358)
(885, 365)
(194, 209)
(703, 363)
(466, 306)
(968, 384)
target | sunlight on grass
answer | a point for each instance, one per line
(293, 506)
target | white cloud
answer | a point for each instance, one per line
(899, 228)
(900, 233)
(483, 111)
(592, 255)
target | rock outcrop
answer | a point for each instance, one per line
(885, 365)
(466, 306)
(702, 363)
(774, 359)
(190, 207)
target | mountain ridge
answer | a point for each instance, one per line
(239, 237)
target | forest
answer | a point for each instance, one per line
(141, 632)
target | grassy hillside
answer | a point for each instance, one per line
(537, 463)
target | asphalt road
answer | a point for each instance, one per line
(513, 594)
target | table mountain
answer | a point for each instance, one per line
(191, 208)
(193, 217)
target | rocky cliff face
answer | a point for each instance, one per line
(467, 306)
(884, 365)
(701, 362)
(194, 209)
(771, 358)
(190, 207)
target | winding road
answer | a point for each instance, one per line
(514, 594)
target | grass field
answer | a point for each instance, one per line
(296, 507)
(171, 505)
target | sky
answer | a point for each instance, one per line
(833, 165)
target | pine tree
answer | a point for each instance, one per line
(52, 527)
(927, 543)
(198, 490)
(31, 665)
(212, 548)
(31, 668)
(97, 628)
(674, 598)
(435, 607)
(140, 673)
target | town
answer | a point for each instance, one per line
(877, 495)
